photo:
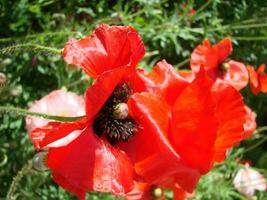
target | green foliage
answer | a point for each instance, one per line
(32, 34)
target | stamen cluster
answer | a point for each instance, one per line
(112, 127)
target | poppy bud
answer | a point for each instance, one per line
(2, 79)
(120, 111)
(38, 161)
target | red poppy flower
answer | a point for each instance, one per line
(258, 80)
(214, 60)
(92, 161)
(197, 118)
(171, 133)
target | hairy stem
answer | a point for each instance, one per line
(29, 47)
(24, 112)
(13, 187)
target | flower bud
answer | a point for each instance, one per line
(38, 161)
(120, 111)
(2, 79)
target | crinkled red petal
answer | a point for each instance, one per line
(204, 55)
(230, 106)
(155, 159)
(224, 49)
(107, 48)
(253, 80)
(236, 75)
(54, 131)
(90, 164)
(194, 125)
(97, 94)
(164, 81)
(262, 78)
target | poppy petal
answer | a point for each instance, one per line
(57, 102)
(194, 124)
(254, 81)
(107, 48)
(159, 162)
(90, 164)
(224, 49)
(230, 106)
(250, 125)
(56, 132)
(262, 78)
(163, 80)
(236, 75)
(204, 55)
(97, 94)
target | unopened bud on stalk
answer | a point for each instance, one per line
(2, 79)
(38, 161)
(120, 111)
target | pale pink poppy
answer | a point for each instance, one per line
(58, 102)
(248, 180)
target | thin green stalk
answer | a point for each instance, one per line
(24, 112)
(245, 26)
(183, 63)
(250, 38)
(240, 26)
(259, 130)
(14, 185)
(204, 6)
(151, 53)
(34, 36)
(29, 47)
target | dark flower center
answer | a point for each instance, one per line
(113, 121)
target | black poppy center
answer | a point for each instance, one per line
(111, 121)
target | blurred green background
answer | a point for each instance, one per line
(169, 29)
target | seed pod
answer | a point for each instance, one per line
(120, 111)
(38, 161)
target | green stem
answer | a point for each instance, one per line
(35, 36)
(24, 112)
(205, 5)
(24, 171)
(29, 47)
(151, 53)
(240, 26)
(183, 63)
(245, 26)
(250, 38)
